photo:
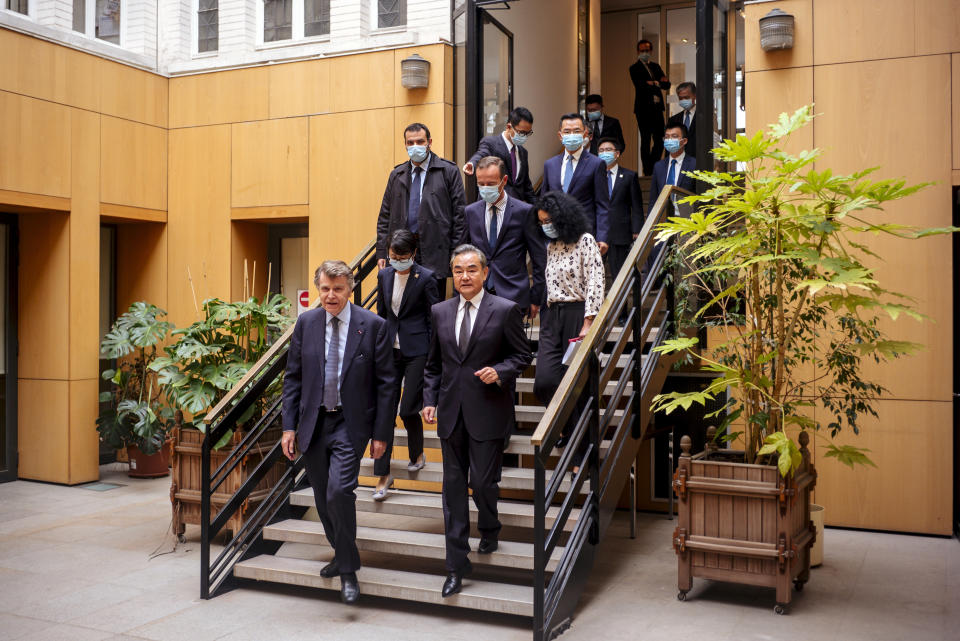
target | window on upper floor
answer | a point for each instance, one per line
(295, 19)
(98, 19)
(20, 6)
(391, 13)
(208, 25)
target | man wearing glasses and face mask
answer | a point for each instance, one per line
(671, 170)
(509, 147)
(649, 83)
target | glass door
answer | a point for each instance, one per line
(8, 348)
(496, 73)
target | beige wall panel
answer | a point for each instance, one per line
(436, 88)
(299, 88)
(249, 243)
(774, 92)
(225, 96)
(41, 69)
(82, 316)
(909, 490)
(363, 81)
(83, 438)
(34, 146)
(938, 26)
(198, 228)
(955, 119)
(433, 116)
(134, 94)
(618, 40)
(43, 417)
(801, 55)
(343, 203)
(141, 264)
(448, 86)
(133, 164)
(44, 295)
(863, 30)
(269, 161)
(916, 155)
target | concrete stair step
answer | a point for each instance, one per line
(533, 414)
(512, 478)
(534, 333)
(519, 443)
(525, 384)
(428, 505)
(510, 554)
(604, 358)
(489, 596)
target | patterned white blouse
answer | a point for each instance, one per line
(575, 273)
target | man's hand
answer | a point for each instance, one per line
(534, 310)
(603, 248)
(377, 448)
(487, 375)
(288, 443)
(587, 322)
(468, 169)
(430, 414)
(381, 263)
(635, 236)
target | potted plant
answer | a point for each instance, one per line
(135, 418)
(208, 358)
(776, 260)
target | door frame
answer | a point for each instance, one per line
(11, 316)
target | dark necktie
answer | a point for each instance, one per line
(514, 172)
(413, 211)
(332, 366)
(610, 182)
(672, 174)
(569, 174)
(686, 120)
(465, 327)
(492, 232)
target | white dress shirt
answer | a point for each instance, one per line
(516, 170)
(683, 116)
(677, 169)
(475, 307)
(344, 331)
(615, 167)
(399, 284)
(499, 207)
(576, 161)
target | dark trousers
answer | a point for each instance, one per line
(482, 461)
(651, 128)
(616, 257)
(408, 392)
(333, 463)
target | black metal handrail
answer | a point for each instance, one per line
(639, 295)
(248, 538)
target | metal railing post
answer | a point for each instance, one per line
(539, 545)
(205, 516)
(593, 384)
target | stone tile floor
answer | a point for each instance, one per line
(75, 565)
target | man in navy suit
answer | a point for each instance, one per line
(504, 228)
(601, 125)
(649, 83)
(508, 147)
(581, 174)
(477, 352)
(626, 204)
(670, 170)
(687, 97)
(337, 395)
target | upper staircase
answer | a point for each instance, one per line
(553, 519)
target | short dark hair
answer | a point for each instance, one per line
(403, 242)
(416, 126)
(683, 86)
(573, 116)
(493, 161)
(594, 98)
(566, 214)
(467, 248)
(643, 41)
(518, 114)
(616, 143)
(677, 125)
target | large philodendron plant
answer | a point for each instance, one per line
(779, 257)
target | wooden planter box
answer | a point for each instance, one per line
(185, 486)
(742, 523)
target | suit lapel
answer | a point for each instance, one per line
(354, 334)
(413, 281)
(388, 288)
(580, 169)
(480, 228)
(507, 213)
(483, 315)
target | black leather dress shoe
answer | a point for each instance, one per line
(349, 588)
(487, 546)
(330, 570)
(452, 585)
(562, 442)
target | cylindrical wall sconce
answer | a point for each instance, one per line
(776, 31)
(414, 72)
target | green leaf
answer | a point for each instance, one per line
(849, 455)
(789, 456)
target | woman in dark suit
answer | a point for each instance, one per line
(405, 293)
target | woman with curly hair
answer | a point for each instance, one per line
(575, 281)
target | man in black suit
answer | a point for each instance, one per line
(478, 351)
(505, 229)
(508, 147)
(670, 170)
(626, 205)
(337, 348)
(648, 81)
(424, 196)
(687, 97)
(601, 125)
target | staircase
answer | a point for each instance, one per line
(553, 520)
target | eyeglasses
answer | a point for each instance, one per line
(471, 271)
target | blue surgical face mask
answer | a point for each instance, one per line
(672, 145)
(594, 115)
(607, 157)
(401, 265)
(489, 193)
(417, 153)
(549, 230)
(645, 56)
(572, 142)
(519, 138)
(686, 103)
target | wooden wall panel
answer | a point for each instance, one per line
(938, 26)
(434, 92)
(432, 115)
(299, 88)
(955, 119)
(141, 264)
(34, 67)
(774, 92)
(134, 94)
(917, 154)
(84, 442)
(448, 74)
(909, 490)
(198, 231)
(43, 417)
(362, 81)
(855, 30)
(133, 163)
(269, 162)
(34, 146)
(801, 55)
(248, 242)
(221, 97)
(618, 30)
